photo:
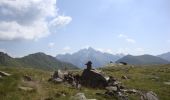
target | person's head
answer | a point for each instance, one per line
(89, 63)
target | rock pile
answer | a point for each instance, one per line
(94, 79)
(64, 76)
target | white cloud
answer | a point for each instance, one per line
(51, 44)
(85, 47)
(2, 50)
(123, 51)
(140, 49)
(29, 19)
(129, 40)
(105, 50)
(122, 36)
(67, 48)
(60, 21)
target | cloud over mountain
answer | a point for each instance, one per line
(29, 19)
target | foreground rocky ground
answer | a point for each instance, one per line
(32, 84)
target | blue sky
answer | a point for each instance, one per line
(65, 26)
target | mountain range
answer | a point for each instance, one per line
(71, 61)
(165, 56)
(100, 59)
(82, 56)
(142, 60)
(36, 60)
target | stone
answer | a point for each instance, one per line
(93, 79)
(131, 91)
(27, 89)
(57, 80)
(124, 77)
(80, 96)
(27, 78)
(167, 83)
(149, 96)
(111, 88)
(4, 74)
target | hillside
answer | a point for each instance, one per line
(6, 60)
(165, 56)
(37, 60)
(152, 78)
(98, 58)
(143, 59)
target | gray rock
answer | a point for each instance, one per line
(57, 80)
(4, 74)
(80, 96)
(149, 96)
(111, 88)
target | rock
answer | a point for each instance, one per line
(167, 83)
(124, 77)
(60, 94)
(27, 78)
(27, 89)
(111, 88)
(149, 96)
(59, 74)
(131, 91)
(80, 96)
(93, 79)
(4, 74)
(57, 80)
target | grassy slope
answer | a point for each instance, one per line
(142, 78)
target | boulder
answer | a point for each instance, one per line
(4, 74)
(94, 79)
(149, 96)
(80, 96)
(111, 88)
(57, 80)
(27, 78)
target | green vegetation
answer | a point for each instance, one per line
(144, 78)
(37, 60)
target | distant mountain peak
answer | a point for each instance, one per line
(82, 56)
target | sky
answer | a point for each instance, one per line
(65, 26)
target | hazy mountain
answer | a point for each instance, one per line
(143, 59)
(82, 56)
(37, 60)
(165, 56)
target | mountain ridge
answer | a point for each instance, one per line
(37, 60)
(165, 56)
(142, 59)
(82, 56)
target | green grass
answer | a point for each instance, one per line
(144, 78)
